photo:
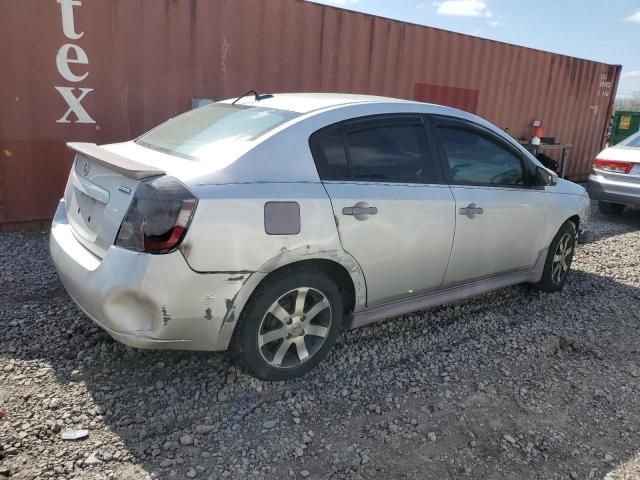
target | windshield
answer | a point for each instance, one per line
(196, 134)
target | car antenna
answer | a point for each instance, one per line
(256, 97)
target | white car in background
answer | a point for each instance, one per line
(615, 179)
(269, 224)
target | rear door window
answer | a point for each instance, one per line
(476, 156)
(386, 149)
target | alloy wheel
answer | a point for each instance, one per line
(562, 259)
(295, 327)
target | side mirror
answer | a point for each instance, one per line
(546, 177)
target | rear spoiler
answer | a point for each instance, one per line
(127, 167)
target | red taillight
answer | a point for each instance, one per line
(158, 217)
(612, 166)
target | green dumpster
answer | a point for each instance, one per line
(624, 125)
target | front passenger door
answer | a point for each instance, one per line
(500, 218)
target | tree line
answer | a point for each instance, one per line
(630, 102)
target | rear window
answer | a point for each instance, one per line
(196, 134)
(634, 141)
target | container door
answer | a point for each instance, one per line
(394, 215)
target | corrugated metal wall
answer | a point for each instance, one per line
(146, 59)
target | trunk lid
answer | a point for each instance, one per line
(100, 188)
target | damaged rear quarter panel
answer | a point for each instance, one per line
(192, 306)
(227, 233)
(227, 236)
(285, 257)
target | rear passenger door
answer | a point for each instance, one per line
(500, 214)
(395, 214)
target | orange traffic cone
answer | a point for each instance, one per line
(537, 135)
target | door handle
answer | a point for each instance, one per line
(355, 210)
(471, 210)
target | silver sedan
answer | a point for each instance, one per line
(268, 224)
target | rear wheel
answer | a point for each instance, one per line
(559, 259)
(609, 208)
(289, 325)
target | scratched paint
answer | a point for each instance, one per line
(236, 279)
(165, 316)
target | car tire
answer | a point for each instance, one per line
(609, 208)
(559, 259)
(289, 324)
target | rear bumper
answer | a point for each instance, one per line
(601, 188)
(148, 301)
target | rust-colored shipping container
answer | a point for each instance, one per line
(107, 70)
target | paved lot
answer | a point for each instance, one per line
(514, 384)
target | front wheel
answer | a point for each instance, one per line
(289, 325)
(559, 259)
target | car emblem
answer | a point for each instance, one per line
(86, 168)
(124, 189)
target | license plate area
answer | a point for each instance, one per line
(85, 215)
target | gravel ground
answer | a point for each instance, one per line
(514, 384)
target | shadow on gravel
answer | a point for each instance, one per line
(514, 384)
